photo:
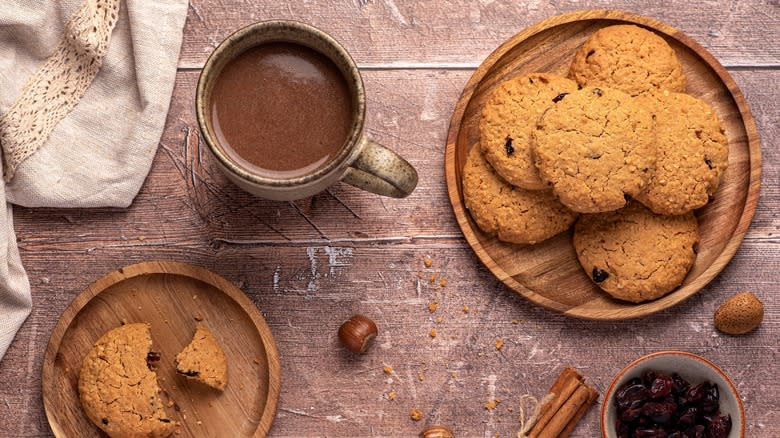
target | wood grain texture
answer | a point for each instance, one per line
(171, 297)
(312, 264)
(381, 33)
(549, 273)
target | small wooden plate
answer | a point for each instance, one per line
(169, 296)
(549, 274)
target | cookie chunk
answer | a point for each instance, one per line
(203, 359)
(634, 254)
(691, 153)
(118, 391)
(509, 117)
(595, 148)
(513, 214)
(628, 58)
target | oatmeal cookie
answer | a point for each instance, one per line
(595, 148)
(513, 214)
(634, 254)
(203, 359)
(118, 391)
(509, 117)
(628, 58)
(691, 153)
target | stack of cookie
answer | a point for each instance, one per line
(617, 143)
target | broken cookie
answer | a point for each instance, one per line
(117, 387)
(203, 359)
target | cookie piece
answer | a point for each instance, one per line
(203, 359)
(691, 153)
(508, 119)
(628, 58)
(634, 254)
(118, 390)
(513, 214)
(595, 148)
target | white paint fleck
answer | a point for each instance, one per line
(534, 350)
(429, 111)
(277, 273)
(491, 390)
(640, 339)
(312, 253)
(336, 258)
(396, 13)
(695, 326)
(335, 418)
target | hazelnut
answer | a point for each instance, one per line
(740, 314)
(437, 432)
(357, 333)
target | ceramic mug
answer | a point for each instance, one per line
(360, 162)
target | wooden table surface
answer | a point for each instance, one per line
(310, 264)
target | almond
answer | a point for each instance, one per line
(740, 314)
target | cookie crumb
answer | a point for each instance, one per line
(141, 238)
(198, 317)
(428, 262)
(438, 319)
(388, 369)
(433, 306)
(491, 404)
(392, 395)
(415, 414)
(442, 282)
(199, 422)
(499, 343)
(515, 321)
(432, 333)
(433, 278)
(465, 309)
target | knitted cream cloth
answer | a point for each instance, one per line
(84, 92)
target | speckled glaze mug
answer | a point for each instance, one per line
(360, 161)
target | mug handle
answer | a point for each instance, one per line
(380, 170)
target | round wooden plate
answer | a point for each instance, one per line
(549, 274)
(169, 296)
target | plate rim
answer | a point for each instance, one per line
(164, 267)
(746, 116)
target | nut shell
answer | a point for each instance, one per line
(437, 432)
(358, 333)
(740, 314)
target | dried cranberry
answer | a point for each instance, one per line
(661, 386)
(680, 385)
(151, 358)
(622, 429)
(632, 396)
(559, 97)
(631, 414)
(599, 275)
(650, 433)
(719, 427)
(508, 146)
(708, 163)
(597, 92)
(709, 404)
(688, 416)
(695, 394)
(659, 412)
(695, 432)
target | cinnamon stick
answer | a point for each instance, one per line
(568, 385)
(569, 398)
(563, 417)
(592, 396)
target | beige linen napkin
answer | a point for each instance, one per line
(93, 144)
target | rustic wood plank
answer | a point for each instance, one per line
(305, 293)
(388, 32)
(187, 204)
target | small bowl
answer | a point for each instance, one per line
(694, 369)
